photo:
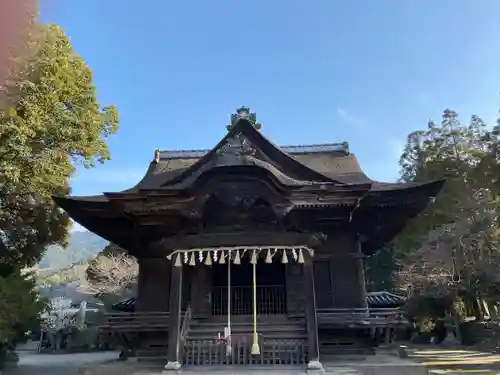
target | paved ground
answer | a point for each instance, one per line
(32, 363)
(458, 361)
(357, 365)
(421, 362)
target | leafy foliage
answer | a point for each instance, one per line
(380, 269)
(19, 305)
(453, 246)
(50, 122)
(54, 122)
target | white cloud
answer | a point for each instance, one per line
(349, 118)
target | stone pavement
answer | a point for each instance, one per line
(347, 365)
(32, 363)
(421, 361)
(456, 361)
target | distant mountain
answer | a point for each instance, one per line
(82, 246)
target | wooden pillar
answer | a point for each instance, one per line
(311, 318)
(174, 353)
(360, 266)
(153, 284)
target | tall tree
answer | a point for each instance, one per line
(54, 124)
(50, 123)
(454, 242)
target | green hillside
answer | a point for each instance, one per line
(82, 246)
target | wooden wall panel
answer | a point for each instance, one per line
(153, 288)
(322, 284)
(346, 271)
(295, 298)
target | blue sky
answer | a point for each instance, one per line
(321, 71)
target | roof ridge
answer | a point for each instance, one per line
(292, 149)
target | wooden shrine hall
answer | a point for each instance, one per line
(250, 253)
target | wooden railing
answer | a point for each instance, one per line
(186, 321)
(135, 322)
(368, 317)
(272, 352)
(271, 300)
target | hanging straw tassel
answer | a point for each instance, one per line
(192, 262)
(269, 259)
(284, 259)
(222, 259)
(208, 260)
(253, 259)
(301, 257)
(237, 259)
(178, 262)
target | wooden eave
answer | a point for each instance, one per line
(96, 214)
(385, 194)
(384, 213)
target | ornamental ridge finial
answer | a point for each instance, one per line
(244, 113)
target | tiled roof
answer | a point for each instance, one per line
(380, 299)
(375, 299)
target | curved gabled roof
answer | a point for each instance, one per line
(325, 162)
(329, 169)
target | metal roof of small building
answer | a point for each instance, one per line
(374, 299)
(384, 298)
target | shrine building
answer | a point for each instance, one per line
(251, 253)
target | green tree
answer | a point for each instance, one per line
(380, 269)
(55, 124)
(452, 247)
(20, 305)
(50, 123)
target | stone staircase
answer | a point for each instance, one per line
(269, 327)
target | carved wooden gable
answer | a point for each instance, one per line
(235, 209)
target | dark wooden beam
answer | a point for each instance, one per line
(230, 239)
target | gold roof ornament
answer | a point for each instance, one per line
(243, 113)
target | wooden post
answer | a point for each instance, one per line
(387, 335)
(360, 265)
(311, 318)
(174, 324)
